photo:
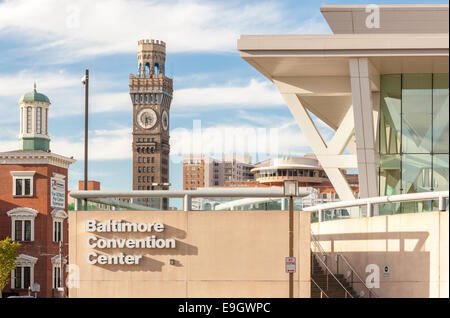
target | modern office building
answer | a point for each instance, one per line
(381, 82)
(33, 202)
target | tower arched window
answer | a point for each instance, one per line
(156, 69)
(140, 70)
(39, 120)
(147, 69)
(28, 119)
(45, 121)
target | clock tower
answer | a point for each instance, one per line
(151, 95)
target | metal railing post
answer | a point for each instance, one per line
(78, 204)
(337, 264)
(442, 204)
(369, 210)
(187, 206)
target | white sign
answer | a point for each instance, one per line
(36, 288)
(290, 263)
(57, 193)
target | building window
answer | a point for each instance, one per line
(56, 271)
(38, 120)
(22, 183)
(22, 230)
(56, 277)
(28, 120)
(22, 277)
(22, 224)
(413, 136)
(46, 121)
(57, 231)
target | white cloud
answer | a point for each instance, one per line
(278, 140)
(103, 145)
(68, 29)
(67, 95)
(256, 94)
(22, 82)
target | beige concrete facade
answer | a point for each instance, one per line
(414, 246)
(217, 254)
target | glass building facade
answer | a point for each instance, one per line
(413, 137)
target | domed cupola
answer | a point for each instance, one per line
(34, 121)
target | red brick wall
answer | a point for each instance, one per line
(91, 185)
(43, 246)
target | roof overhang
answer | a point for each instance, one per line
(428, 18)
(316, 67)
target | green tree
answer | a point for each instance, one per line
(8, 255)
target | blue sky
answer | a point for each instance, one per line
(54, 41)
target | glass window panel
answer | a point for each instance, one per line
(390, 103)
(416, 173)
(27, 225)
(18, 277)
(390, 175)
(26, 277)
(18, 230)
(440, 113)
(416, 113)
(27, 186)
(19, 186)
(440, 172)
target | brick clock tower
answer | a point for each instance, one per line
(151, 95)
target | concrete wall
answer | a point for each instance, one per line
(218, 254)
(414, 246)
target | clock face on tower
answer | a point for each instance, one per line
(165, 120)
(146, 118)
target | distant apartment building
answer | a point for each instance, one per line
(200, 171)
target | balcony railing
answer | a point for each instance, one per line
(370, 203)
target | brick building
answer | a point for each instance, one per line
(33, 201)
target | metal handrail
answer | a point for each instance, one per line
(322, 252)
(317, 244)
(441, 195)
(356, 273)
(329, 271)
(321, 290)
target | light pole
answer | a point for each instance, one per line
(85, 81)
(291, 190)
(61, 265)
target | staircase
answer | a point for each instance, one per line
(325, 285)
